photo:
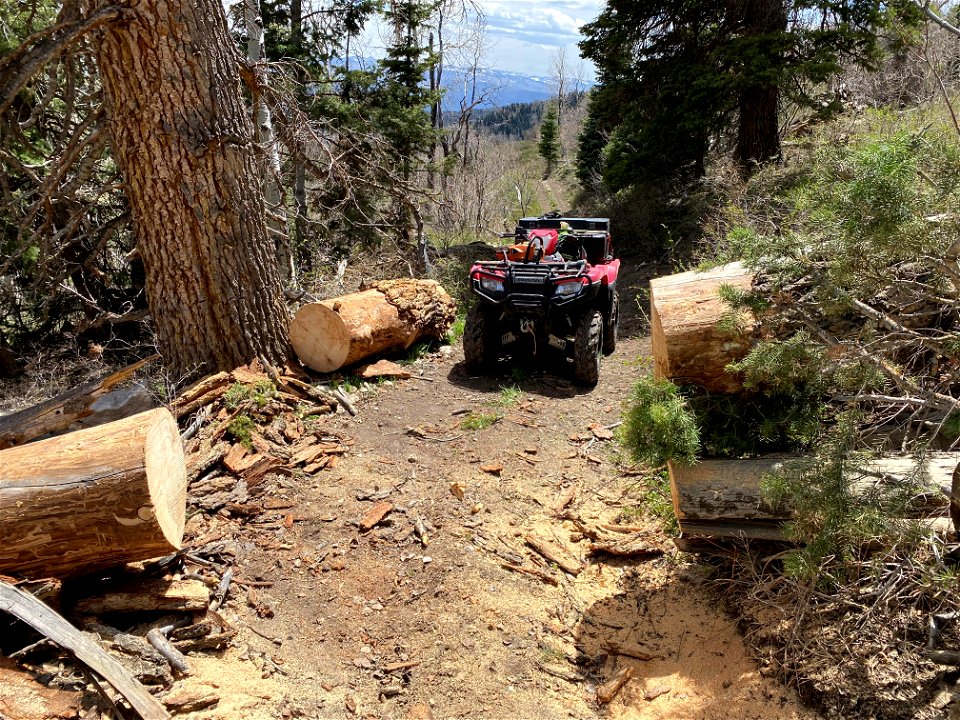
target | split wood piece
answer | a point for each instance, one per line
(234, 459)
(721, 498)
(689, 345)
(182, 701)
(555, 554)
(608, 691)
(375, 515)
(93, 499)
(345, 400)
(312, 452)
(59, 413)
(533, 572)
(201, 394)
(178, 662)
(148, 595)
(48, 623)
(393, 315)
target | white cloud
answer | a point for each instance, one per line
(527, 33)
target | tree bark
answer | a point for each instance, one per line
(184, 142)
(93, 499)
(334, 333)
(758, 130)
(690, 346)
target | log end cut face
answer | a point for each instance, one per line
(166, 470)
(320, 338)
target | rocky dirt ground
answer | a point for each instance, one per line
(420, 617)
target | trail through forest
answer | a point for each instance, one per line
(420, 617)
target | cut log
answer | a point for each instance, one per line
(59, 413)
(689, 345)
(721, 498)
(331, 334)
(94, 498)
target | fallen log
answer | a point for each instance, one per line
(41, 618)
(92, 499)
(60, 412)
(722, 498)
(690, 344)
(394, 314)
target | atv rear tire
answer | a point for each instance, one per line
(586, 348)
(479, 338)
(611, 326)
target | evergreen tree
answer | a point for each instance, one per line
(404, 100)
(590, 146)
(549, 145)
(676, 74)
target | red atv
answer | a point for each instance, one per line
(555, 289)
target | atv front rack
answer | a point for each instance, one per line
(530, 286)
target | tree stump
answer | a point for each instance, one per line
(92, 499)
(689, 346)
(394, 314)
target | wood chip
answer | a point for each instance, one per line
(188, 700)
(375, 515)
(655, 692)
(608, 691)
(384, 369)
(234, 457)
(492, 468)
(601, 433)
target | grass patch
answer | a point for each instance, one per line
(509, 396)
(480, 420)
(241, 428)
(260, 393)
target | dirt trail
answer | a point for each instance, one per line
(386, 624)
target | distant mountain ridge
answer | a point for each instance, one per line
(498, 88)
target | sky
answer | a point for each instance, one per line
(525, 35)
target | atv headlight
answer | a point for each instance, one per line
(491, 284)
(568, 289)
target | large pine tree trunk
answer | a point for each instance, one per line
(184, 142)
(758, 130)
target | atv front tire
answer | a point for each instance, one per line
(611, 326)
(587, 348)
(479, 338)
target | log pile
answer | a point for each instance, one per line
(695, 336)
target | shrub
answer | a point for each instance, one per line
(658, 425)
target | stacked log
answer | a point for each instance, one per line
(690, 344)
(722, 498)
(392, 315)
(693, 345)
(92, 499)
